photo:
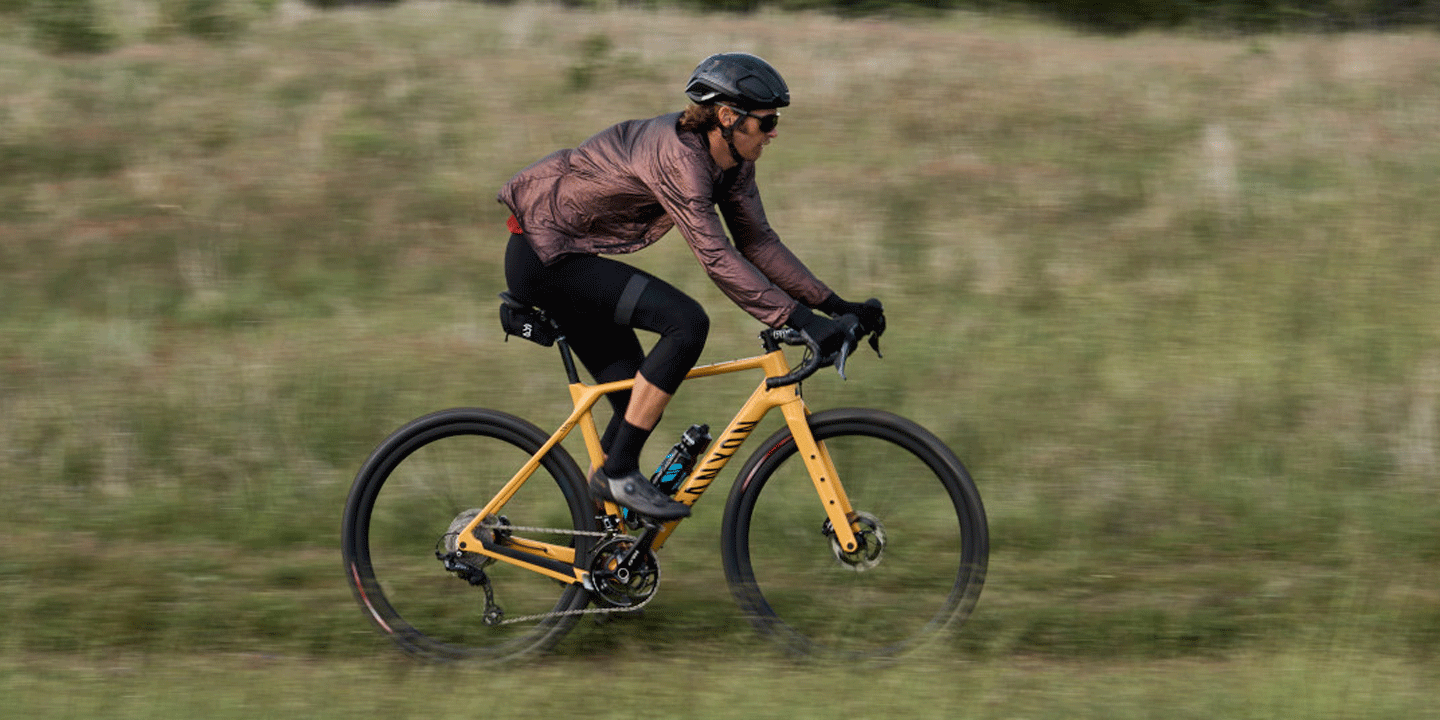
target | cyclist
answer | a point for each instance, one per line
(620, 191)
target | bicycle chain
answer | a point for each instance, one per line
(564, 613)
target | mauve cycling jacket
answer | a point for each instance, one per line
(624, 188)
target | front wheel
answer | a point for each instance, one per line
(917, 513)
(410, 499)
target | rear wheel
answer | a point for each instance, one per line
(417, 490)
(924, 541)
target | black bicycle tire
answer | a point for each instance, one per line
(402, 444)
(773, 454)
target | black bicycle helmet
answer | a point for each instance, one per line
(739, 79)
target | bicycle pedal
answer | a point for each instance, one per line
(610, 523)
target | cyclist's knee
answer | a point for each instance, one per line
(688, 330)
(697, 324)
(684, 327)
(669, 312)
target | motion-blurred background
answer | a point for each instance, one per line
(1166, 280)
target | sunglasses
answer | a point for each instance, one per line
(766, 123)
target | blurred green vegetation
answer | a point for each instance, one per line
(89, 26)
(1172, 299)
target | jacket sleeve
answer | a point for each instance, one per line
(757, 241)
(686, 191)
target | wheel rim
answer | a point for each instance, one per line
(417, 495)
(920, 575)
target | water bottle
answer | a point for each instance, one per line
(676, 466)
(677, 463)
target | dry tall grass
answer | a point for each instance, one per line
(1172, 298)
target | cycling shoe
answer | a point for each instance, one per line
(633, 491)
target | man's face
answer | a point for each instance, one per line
(749, 140)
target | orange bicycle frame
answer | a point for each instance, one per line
(559, 561)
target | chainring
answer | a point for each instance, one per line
(621, 587)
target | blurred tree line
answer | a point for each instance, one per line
(1230, 15)
(80, 26)
(1131, 15)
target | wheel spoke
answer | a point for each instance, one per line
(413, 497)
(922, 529)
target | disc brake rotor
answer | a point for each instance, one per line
(870, 542)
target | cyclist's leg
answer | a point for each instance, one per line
(600, 302)
(651, 304)
(607, 355)
(683, 326)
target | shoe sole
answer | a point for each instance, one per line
(599, 489)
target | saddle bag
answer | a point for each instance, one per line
(531, 323)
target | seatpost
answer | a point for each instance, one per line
(566, 357)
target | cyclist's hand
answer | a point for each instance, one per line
(870, 312)
(830, 335)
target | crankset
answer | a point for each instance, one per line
(624, 573)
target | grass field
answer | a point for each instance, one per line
(1172, 298)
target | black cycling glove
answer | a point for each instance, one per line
(870, 312)
(823, 330)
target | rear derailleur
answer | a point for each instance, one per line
(470, 567)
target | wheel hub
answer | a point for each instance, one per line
(451, 542)
(870, 542)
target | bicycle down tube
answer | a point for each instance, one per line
(559, 562)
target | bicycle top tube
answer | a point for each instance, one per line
(771, 339)
(776, 375)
